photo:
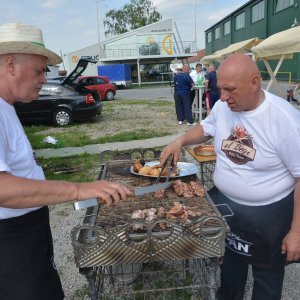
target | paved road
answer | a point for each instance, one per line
(166, 92)
(151, 93)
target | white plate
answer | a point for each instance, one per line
(186, 169)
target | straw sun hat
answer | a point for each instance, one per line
(26, 39)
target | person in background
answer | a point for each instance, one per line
(182, 89)
(211, 86)
(257, 174)
(176, 99)
(198, 76)
(27, 268)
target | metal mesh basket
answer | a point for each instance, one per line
(170, 280)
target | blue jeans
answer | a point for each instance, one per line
(184, 107)
(213, 98)
(255, 237)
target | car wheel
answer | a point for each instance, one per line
(109, 95)
(62, 117)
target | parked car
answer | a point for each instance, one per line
(62, 103)
(101, 84)
(55, 79)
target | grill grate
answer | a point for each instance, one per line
(111, 239)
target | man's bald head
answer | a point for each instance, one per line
(240, 83)
(240, 65)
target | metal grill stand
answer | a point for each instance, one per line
(180, 263)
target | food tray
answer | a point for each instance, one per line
(186, 169)
(203, 150)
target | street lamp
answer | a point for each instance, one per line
(98, 27)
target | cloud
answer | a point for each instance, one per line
(218, 15)
(53, 4)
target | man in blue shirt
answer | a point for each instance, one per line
(211, 86)
(183, 83)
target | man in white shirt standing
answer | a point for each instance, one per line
(198, 76)
(27, 268)
(257, 142)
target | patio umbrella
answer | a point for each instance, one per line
(243, 46)
(278, 46)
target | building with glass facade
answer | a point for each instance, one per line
(258, 18)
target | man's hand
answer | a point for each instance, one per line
(291, 246)
(174, 149)
(109, 191)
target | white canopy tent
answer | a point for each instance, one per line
(243, 46)
(278, 46)
(207, 59)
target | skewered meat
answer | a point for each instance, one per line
(197, 188)
(178, 212)
(161, 212)
(159, 193)
(138, 214)
(188, 190)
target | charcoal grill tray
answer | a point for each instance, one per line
(110, 240)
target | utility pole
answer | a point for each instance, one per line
(62, 60)
(195, 25)
(98, 27)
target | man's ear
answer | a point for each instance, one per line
(255, 80)
(10, 63)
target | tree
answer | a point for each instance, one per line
(137, 13)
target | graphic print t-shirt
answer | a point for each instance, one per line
(257, 151)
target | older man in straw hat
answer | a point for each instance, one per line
(27, 269)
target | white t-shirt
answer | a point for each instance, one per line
(258, 151)
(16, 155)
(195, 75)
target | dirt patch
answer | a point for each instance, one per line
(121, 116)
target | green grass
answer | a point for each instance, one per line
(82, 167)
(75, 139)
(151, 103)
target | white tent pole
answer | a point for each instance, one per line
(273, 74)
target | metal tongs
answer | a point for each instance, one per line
(169, 163)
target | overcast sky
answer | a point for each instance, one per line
(70, 25)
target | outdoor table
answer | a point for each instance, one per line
(206, 164)
(198, 107)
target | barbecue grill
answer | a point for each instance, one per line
(121, 262)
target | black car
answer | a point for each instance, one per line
(62, 103)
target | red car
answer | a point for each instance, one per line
(101, 84)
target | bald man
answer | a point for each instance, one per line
(257, 141)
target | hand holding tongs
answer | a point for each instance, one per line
(169, 163)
